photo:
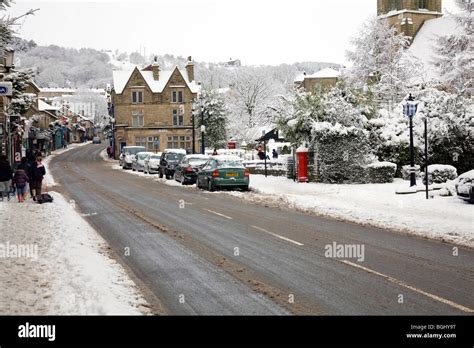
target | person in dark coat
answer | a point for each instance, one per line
(6, 175)
(20, 179)
(37, 174)
(274, 154)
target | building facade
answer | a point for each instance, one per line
(153, 107)
(408, 16)
(323, 79)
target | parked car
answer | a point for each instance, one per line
(465, 186)
(186, 170)
(128, 155)
(152, 164)
(223, 172)
(96, 140)
(139, 161)
(169, 160)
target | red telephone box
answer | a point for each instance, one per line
(302, 158)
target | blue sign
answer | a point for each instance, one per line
(6, 88)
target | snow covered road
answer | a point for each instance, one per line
(211, 253)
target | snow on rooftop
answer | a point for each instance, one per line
(424, 46)
(121, 78)
(325, 74)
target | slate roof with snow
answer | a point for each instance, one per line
(327, 73)
(121, 78)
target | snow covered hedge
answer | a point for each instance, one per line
(440, 173)
(380, 172)
(340, 153)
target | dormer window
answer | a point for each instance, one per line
(177, 97)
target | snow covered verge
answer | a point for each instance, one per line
(52, 262)
(441, 218)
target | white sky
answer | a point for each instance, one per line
(254, 31)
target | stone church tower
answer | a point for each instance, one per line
(408, 16)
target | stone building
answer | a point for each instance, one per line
(324, 79)
(153, 107)
(408, 16)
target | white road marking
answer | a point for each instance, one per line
(278, 236)
(90, 214)
(407, 286)
(215, 212)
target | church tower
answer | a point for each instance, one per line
(408, 16)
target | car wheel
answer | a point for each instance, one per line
(210, 186)
(245, 188)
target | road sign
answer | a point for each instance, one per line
(6, 89)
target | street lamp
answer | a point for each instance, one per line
(9, 55)
(194, 127)
(203, 131)
(409, 109)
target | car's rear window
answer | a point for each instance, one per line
(230, 164)
(174, 156)
(197, 161)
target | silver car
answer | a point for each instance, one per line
(152, 163)
(139, 163)
(465, 186)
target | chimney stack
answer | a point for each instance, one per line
(156, 69)
(190, 69)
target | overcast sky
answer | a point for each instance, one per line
(254, 31)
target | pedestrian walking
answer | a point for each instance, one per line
(6, 175)
(20, 181)
(274, 154)
(38, 172)
(26, 166)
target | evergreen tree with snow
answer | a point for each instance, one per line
(455, 53)
(380, 66)
(215, 112)
(20, 101)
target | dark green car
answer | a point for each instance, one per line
(223, 172)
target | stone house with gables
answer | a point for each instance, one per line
(153, 107)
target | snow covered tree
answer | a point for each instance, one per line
(215, 119)
(20, 101)
(379, 64)
(295, 113)
(455, 53)
(250, 94)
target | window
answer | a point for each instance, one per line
(178, 119)
(138, 119)
(152, 144)
(177, 97)
(140, 141)
(423, 4)
(137, 97)
(173, 142)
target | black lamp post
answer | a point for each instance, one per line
(203, 131)
(410, 108)
(194, 127)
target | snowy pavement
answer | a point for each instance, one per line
(441, 218)
(64, 267)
